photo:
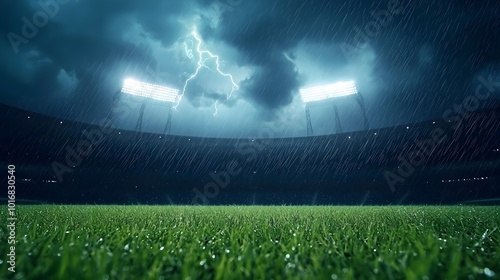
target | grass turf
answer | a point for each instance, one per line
(144, 242)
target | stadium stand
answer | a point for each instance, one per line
(442, 161)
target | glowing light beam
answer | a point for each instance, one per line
(152, 91)
(204, 55)
(328, 91)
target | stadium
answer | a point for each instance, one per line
(365, 167)
(236, 139)
(386, 166)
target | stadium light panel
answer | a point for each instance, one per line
(152, 91)
(328, 91)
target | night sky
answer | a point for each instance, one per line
(412, 60)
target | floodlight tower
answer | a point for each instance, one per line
(338, 125)
(151, 93)
(138, 124)
(331, 91)
(361, 103)
(308, 121)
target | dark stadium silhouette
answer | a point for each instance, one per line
(392, 165)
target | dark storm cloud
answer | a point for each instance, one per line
(273, 83)
(425, 45)
(424, 57)
(264, 31)
(84, 39)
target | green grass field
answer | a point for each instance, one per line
(144, 242)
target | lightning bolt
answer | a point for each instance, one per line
(203, 56)
(216, 109)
